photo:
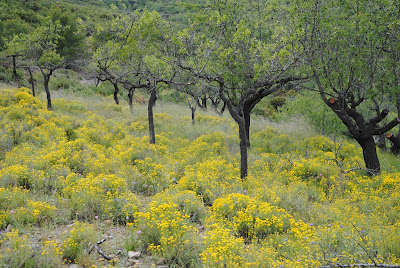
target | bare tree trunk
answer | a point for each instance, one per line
(193, 109)
(246, 116)
(395, 149)
(204, 102)
(382, 142)
(14, 67)
(243, 149)
(130, 99)
(370, 156)
(152, 102)
(31, 81)
(237, 114)
(46, 88)
(116, 90)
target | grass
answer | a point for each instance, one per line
(181, 202)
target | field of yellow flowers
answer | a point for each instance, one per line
(84, 176)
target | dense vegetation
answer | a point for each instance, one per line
(215, 190)
(181, 200)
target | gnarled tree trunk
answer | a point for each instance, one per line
(152, 102)
(370, 156)
(382, 142)
(362, 130)
(116, 90)
(395, 149)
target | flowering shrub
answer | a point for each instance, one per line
(222, 248)
(17, 176)
(15, 207)
(50, 255)
(103, 196)
(205, 147)
(151, 177)
(165, 230)
(210, 179)
(15, 250)
(76, 240)
(250, 219)
(187, 201)
(33, 212)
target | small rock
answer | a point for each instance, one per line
(9, 228)
(134, 254)
(73, 266)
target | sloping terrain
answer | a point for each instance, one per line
(86, 172)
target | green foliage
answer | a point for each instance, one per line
(311, 106)
(76, 240)
(20, 251)
(166, 229)
(72, 45)
(181, 199)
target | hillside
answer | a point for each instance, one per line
(22, 16)
(86, 172)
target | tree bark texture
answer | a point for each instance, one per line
(370, 156)
(193, 109)
(382, 142)
(247, 121)
(395, 149)
(152, 102)
(243, 149)
(116, 90)
(32, 81)
(361, 130)
(204, 102)
(46, 89)
(14, 67)
(130, 99)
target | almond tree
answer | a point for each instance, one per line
(13, 50)
(346, 43)
(247, 51)
(40, 49)
(110, 45)
(391, 50)
(137, 54)
(51, 46)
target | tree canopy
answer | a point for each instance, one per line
(347, 46)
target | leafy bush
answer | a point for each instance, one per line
(248, 218)
(76, 240)
(15, 250)
(166, 231)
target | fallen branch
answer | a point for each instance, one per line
(97, 243)
(358, 168)
(101, 252)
